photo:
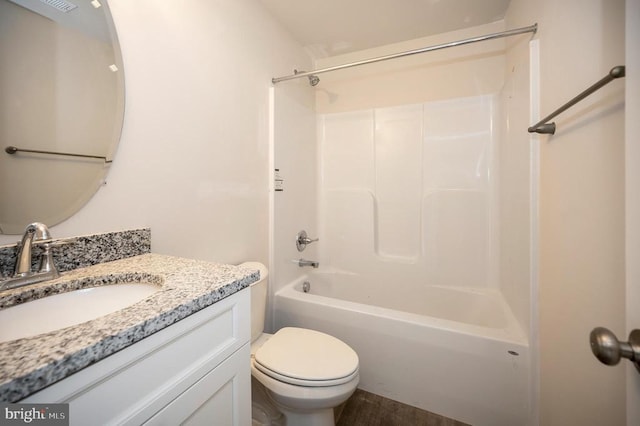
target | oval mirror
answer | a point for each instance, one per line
(61, 108)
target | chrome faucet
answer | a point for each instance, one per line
(304, 262)
(35, 233)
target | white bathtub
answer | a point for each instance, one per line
(453, 352)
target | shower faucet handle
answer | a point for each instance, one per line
(302, 240)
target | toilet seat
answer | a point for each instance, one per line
(305, 357)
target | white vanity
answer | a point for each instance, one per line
(180, 356)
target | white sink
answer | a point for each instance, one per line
(66, 309)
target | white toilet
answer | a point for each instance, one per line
(305, 373)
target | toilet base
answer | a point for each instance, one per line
(263, 410)
(315, 418)
(268, 409)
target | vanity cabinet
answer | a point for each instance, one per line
(196, 371)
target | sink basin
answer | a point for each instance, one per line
(66, 309)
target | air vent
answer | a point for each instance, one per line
(61, 5)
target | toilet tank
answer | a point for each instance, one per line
(258, 299)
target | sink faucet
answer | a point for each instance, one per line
(304, 262)
(35, 233)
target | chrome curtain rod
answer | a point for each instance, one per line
(550, 128)
(530, 29)
(13, 150)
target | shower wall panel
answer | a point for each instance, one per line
(406, 191)
(398, 182)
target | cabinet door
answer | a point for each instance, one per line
(221, 398)
(132, 385)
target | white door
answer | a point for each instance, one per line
(632, 190)
(632, 215)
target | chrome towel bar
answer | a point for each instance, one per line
(550, 128)
(13, 150)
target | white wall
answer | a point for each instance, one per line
(471, 70)
(193, 160)
(581, 207)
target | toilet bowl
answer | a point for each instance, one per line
(305, 373)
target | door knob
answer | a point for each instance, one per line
(609, 350)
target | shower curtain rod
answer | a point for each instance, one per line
(299, 74)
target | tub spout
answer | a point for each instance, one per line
(304, 262)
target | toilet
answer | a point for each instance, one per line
(304, 373)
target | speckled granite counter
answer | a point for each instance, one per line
(187, 286)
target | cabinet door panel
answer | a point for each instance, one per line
(222, 397)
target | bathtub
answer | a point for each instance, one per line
(455, 352)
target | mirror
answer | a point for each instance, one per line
(62, 86)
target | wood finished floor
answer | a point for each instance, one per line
(368, 409)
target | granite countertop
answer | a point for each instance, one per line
(186, 286)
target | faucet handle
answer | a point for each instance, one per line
(302, 240)
(56, 243)
(46, 259)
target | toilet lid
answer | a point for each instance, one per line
(301, 356)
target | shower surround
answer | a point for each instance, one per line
(419, 179)
(409, 251)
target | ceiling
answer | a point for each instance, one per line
(333, 27)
